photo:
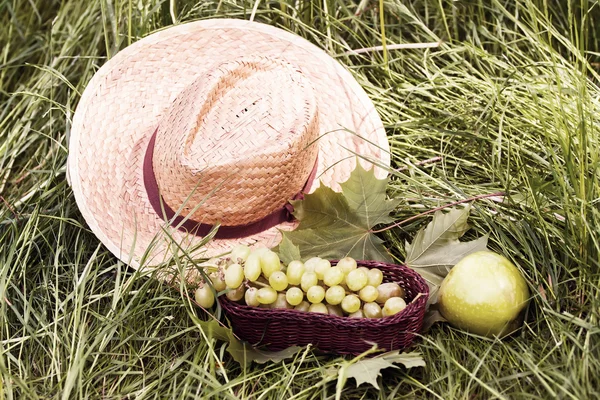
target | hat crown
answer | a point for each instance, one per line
(238, 142)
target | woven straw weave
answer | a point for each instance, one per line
(168, 80)
(256, 121)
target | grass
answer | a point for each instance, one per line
(508, 102)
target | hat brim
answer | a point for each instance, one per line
(122, 104)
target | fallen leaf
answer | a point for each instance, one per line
(288, 251)
(336, 243)
(243, 352)
(263, 356)
(436, 248)
(431, 317)
(367, 370)
(334, 225)
(444, 254)
(214, 330)
(367, 196)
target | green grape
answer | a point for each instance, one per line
(216, 278)
(259, 251)
(333, 276)
(319, 308)
(294, 272)
(315, 294)
(375, 277)
(372, 310)
(270, 263)
(312, 263)
(393, 306)
(240, 253)
(335, 294)
(347, 264)
(364, 269)
(278, 281)
(234, 276)
(251, 297)
(204, 296)
(368, 294)
(388, 290)
(266, 295)
(281, 302)
(236, 294)
(309, 279)
(304, 306)
(294, 296)
(356, 280)
(335, 310)
(351, 303)
(322, 267)
(252, 267)
(357, 314)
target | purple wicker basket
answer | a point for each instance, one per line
(277, 329)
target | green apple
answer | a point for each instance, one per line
(484, 293)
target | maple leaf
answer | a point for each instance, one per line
(241, 351)
(288, 251)
(367, 370)
(432, 316)
(334, 225)
(436, 248)
(245, 354)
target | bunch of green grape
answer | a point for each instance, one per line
(257, 278)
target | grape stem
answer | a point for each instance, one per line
(479, 197)
(249, 284)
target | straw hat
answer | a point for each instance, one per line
(216, 121)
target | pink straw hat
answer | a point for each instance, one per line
(214, 122)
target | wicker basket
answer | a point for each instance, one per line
(277, 329)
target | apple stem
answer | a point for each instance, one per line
(479, 197)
